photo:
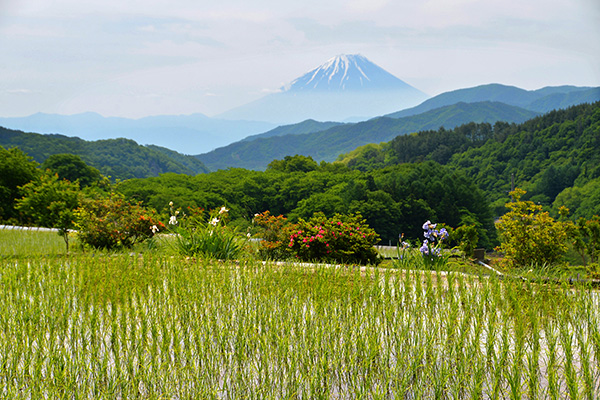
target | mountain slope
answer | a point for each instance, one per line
(308, 126)
(344, 87)
(118, 158)
(560, 100)
(541, 100)
(327, 145)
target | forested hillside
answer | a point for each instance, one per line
(545, 155)
(328, 144)
(117, 158)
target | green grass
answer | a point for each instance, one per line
(154, 325)
(28, 243)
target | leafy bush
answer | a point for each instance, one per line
(275, 234)
(196, 237)
(530, 236)
(593, 270)
(341, 238)
(114, 223)
(586, 238)
(467, 238)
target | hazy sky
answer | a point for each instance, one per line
(145, 57)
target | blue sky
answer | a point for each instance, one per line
(137, 58)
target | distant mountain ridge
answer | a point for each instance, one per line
(342, 88)
(308, 126)
(199, 134)
(541, 100)
(328, 144)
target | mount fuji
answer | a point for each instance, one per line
(345, 88)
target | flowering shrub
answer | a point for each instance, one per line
(196, 237)
(431, 250)
(530, 236)
(275, 233)
(342, 238)
(114, 223)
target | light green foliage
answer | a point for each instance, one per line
(583, 200)
(295, 163)
(209, 238)
(530, 236)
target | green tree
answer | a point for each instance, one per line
(72, 168)
(50, 202)
(530, 236)
(16, 169)
(294, 164)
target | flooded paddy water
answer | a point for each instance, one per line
(123, 327)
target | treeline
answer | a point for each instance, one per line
(116, 158)
(393, 200)
(555, 157)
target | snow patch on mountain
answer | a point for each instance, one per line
(346, 73)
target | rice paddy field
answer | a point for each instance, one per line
(155, 326)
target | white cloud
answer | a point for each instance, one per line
(21, 91)
(78, 54)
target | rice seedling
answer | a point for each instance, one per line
(18, 242)
(153, 326)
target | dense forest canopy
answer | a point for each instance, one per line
(545, 155)
(393, 200)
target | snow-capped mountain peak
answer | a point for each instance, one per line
(345, 87)
(346, 72)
